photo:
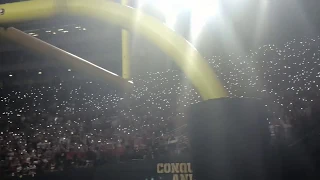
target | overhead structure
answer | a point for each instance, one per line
(183, 53)
(41, 47)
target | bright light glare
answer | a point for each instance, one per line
(170, 9)
(201, 11)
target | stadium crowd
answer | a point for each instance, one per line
(53, 127)
(63, 124)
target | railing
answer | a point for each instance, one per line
(176, 132)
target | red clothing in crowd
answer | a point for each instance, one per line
(119, 151)
(70, 155)
(81, 155)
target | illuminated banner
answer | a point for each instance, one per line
(179, 171)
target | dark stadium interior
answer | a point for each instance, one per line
(62, 118)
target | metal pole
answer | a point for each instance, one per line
(65, 57)
(126, 66)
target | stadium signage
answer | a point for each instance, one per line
(180, 171)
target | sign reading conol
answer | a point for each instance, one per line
(179, 171)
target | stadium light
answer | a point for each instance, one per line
(201, 11)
